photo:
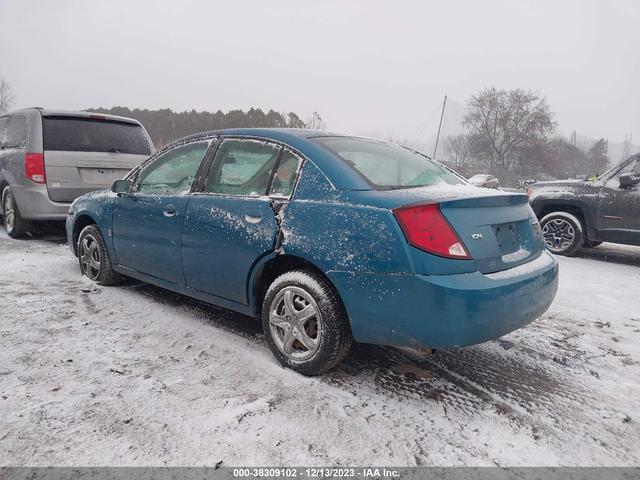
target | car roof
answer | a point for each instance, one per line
(47, 112)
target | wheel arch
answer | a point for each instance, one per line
(82, 220)
(4, 183)
(578, 209)
(270, 268)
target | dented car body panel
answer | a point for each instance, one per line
(217, 246)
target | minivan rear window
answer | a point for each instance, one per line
(77, 134)
(387, 166)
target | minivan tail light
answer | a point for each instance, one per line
(34, 167)
(425, 228)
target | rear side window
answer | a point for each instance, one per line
(285, 177)
(15, 135)
(70, 134)
(3, 125)
(387, 166)
(242, 167)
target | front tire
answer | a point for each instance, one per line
(305, 324)
(94, 259)
(17, 227)
(563, 233)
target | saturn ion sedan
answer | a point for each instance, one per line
(326, 238)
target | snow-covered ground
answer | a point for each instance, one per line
(136, 375)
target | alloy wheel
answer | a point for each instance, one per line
(295, 323)
(90, 257)
(558, 234)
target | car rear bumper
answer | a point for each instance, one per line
(34, 203)
(446, 311)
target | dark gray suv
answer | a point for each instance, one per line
(577, 214)
(49, 158)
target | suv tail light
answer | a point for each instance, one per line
(425, 227)
(34, 167)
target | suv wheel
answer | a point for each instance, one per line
(94, 258)
(304, 323)
(16, 226)
(563, 233)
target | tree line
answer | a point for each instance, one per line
(165, 125)
(512, 135)
(508, 133)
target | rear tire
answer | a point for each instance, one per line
(304, 323)
(94, 259)
(563, 233)
(17, 227)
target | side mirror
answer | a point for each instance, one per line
(629, 180)
(122, 186)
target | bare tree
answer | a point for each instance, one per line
(6, 96)
(459, 147)
(315, 122)
(505, 121)
(598, 157)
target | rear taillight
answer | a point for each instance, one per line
(425, 227)
(34, 167)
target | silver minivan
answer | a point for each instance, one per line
(48, 158)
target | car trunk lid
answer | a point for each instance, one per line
(499, 231)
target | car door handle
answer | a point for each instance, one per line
(169, 211)
(252, 218)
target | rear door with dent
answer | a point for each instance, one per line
(231, 223)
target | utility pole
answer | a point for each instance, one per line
(626, 150)
(435, 149)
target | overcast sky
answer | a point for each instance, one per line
(365, 66)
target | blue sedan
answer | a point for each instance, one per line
(327, 238)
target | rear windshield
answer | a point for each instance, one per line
(388, 166)
(93, 135)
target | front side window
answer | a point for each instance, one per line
(173, 172)
(242, 167)
(616, 171)
(387, 166)
(632, 167)
(15, 135)
(284, 178)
